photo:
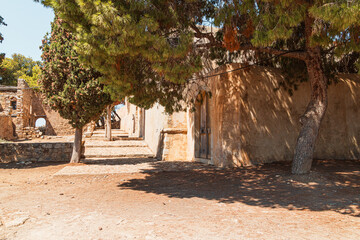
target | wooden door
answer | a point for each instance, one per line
(205, 128)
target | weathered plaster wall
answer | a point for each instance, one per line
(131, 119)
(252, 123)
(35, 152)
(165, 134)
(155, 122)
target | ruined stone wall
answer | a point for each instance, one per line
(55, 124)
(252, 123)
(35, 152)
(30, 107)
(11, 103)
(26, 94)
(5, 102)
(6, 128)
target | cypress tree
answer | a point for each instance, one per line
(70, 88)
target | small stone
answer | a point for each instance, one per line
(100, 228)
(61, 194)
(15, 219)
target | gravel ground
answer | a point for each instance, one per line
(160, 200)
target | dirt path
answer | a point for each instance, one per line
(181, 202)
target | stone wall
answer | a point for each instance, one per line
(35, 152)
(6, 128)
(252, 123)
(30, 107)
(55, 124)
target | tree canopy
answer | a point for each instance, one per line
(19, 66)
(310, 34)
(144, 49)
(148, 49)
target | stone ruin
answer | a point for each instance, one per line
(20, 108)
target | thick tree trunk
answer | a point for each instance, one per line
(313, 115)
(108, 124)
(76, 154)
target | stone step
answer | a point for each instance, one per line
(115, 131)
(117, 152)
(103, 144)
(119, 160)
(97, 135)
(115, 138)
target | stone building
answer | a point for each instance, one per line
(21, 107)
(246, 122)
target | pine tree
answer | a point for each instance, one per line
(144, 49)
(70, 88)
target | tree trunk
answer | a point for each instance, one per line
(76, 154)
(313, 115)
(108, 124)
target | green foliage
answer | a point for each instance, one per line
(70, 88)
(19, 66)
(144, 49)
(280, 25)
(2, 23)
(32, 80)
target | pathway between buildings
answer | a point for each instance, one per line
(121, 156)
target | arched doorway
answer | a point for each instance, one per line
(40, 123)
(203, 127)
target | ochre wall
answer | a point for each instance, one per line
(6, 128)
(252, 123)
(56, 125)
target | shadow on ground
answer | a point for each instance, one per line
(332, 185)
(105, 161)
(27, 165)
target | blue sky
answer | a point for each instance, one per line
(27, 23)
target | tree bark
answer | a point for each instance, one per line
(76, 154)
(108, 124)
(312, 118)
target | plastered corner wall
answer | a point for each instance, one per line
(253, 123)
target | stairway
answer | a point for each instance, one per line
(116, 134)
(123, 146)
